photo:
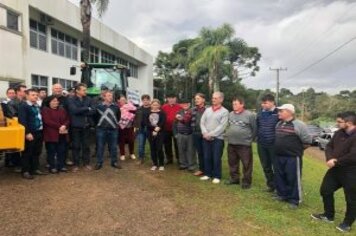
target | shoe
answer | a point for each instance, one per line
(343, 228)
(245, 186)
(38, 172)
(204, 178)
(88, 167)
(17, 169)
(270, 190)
(53, 171)
(75, 169)
(27, 175)
(278, 198)
(153, 168)
(293, 206)
(216, 181)
(64, 170)
(133, 157)
(198, 173)
(69, 163)
(182, 168)
(230, 182)
(98, 166)
(161, 168)
(322, 217)
(122, 158)
(116, 165)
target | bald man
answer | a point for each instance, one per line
(57, 90)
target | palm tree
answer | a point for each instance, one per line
(85, 17)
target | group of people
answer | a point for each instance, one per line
(194, 135)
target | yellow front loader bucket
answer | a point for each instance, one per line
(12, 136)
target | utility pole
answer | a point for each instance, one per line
(277, 87)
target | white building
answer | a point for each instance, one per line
(40, 41)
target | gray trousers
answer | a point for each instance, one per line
(186, 151)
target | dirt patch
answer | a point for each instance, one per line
(316, 153)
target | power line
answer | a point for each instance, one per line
(323, 58)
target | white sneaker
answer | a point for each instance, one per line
(133, 157)
(153, 168)
(216, 181)
(122, 158)
(204, 178)
(161, 168)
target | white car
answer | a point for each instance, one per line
(324, 139)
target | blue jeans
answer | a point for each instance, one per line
(108, 136)
(141, 137)
(56, 153)
(213, 151)
(198, 145)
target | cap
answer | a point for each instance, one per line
(289, 107)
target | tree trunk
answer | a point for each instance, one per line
(85, 17)
(215, 75)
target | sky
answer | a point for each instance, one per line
(291, 34)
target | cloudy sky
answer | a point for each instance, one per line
(288, 33)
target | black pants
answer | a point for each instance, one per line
(31, 155)
(334, 179)
(168, 137)
(156, 146)
(80, 146)
(268, 163)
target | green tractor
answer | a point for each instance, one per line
(99, 75)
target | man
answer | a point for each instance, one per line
(170, 109)
(240, 134)
(292, 138)
(10, 95)
(30, 117)
(197, 113)
(341, 160)
(42, 94)
(183, 133)
(212, 124)
(106, 130)
(140, 125)
(267, 120)
(81, 111)
(57, 90)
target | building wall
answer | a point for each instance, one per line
(21, 60)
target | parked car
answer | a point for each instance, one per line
(324, 139)
(314, 131)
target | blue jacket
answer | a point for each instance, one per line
(81, 112)
(266, 127)
(30, 117)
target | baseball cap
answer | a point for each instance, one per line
(289, 107)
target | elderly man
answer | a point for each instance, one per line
(341, 161)
(212, 124)
(291, 139)
(57, 90)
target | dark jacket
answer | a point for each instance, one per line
(53, 119)
(342, 147)
(81, 112)
(108, 116)
(30, 117)
(13, 107)
(141, 116)
(183, 126)
(197, 113)
(155, 119)
(266, 127)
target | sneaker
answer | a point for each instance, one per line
(161, 168)
(278, 198)
(38, 172)
(64, 170)
(133, 157)
(17, 169)
(343, 228)
(153, 168)
(216, 181)
(69, 163)
(27, 175)
(88, 167)
(293, 206)
(198, 173)
(53, 171)
(116, 165)
(75, 169)
(122, 158)
(98, 166)
(204, 178)
(322, 217)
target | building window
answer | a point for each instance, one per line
(94, 54)
(66, 84)
(133, 70)
(39, 81)
(12, 20)
(38, 37)
(107, 57)
(121, 61)
(64, 45)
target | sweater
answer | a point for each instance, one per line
(107, 116)
(171, 112)
(81, 112)
(342, 146)
(127, 115)
(213, 122)
(266, 127)
(30, 117)
(53, 119)
(241, 128)
(291, 136)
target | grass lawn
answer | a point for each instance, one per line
(260, 213)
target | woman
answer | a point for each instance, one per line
(126, 129)
(155, 123)
(55, 132)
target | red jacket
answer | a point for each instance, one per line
(171, 112)
(53, 119)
